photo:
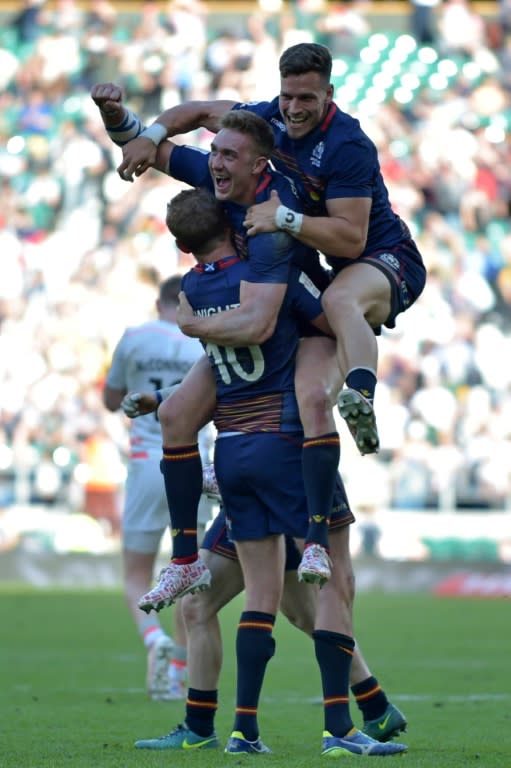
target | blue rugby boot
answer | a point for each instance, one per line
(238, 745)
(358, 743)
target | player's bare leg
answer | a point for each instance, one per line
(182, 415)
(317, 383)
(356, 301)
(138, 569)
(255, 644)
(204, 648)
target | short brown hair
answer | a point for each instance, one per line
(306, 57)
(250, 124)
(197, 220)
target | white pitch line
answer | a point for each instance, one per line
(454, 698)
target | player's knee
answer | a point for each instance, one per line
(176, 421)
(168, 412)
(196, 610)
(314, 403)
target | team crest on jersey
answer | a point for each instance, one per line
(317, 153)
(389, 259)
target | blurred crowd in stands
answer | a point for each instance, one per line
(82, 252)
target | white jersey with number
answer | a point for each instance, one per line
(148, 357)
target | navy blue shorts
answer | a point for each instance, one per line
(403, 267)
(260, 478)
(217, 539)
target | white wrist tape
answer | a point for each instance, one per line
(129, 129)
(155, 132)
(289, 220)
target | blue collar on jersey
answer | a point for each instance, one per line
(215, 266)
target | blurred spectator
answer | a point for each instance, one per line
(461, 29)
(30, 22)
(423, 23)
(344, 26)
(103, 473)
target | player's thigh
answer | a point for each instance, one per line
(263, 585)
(145, 505)
(191, 405)
(317, 376)
(358, 286)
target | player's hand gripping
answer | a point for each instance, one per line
(261, 217)
(184, 315)
(139, 404)
(138, 156)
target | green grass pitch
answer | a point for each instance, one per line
(72, 683)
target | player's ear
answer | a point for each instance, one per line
(260, 164)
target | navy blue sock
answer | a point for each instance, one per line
(182, 473)
(334, 653)
(363, 380)
(370, 698)
(201, 707)
(320, 463)
(254, 648)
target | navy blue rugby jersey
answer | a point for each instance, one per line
(269, 253)
(337, 159)
(248, 372)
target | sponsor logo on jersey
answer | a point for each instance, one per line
(317, 154)
(390, 259)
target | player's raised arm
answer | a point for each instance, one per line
(194, 114)
(140, 153)
(127, 131)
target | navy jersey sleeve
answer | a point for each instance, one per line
(264, 109)
(190, 164)
(304, 296)
(269, 257)
(353, 171)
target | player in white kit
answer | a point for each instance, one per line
(149, 357)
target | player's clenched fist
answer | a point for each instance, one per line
(108, 97)
(136, 404)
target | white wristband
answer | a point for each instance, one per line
(155, 133)
(289, 220)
